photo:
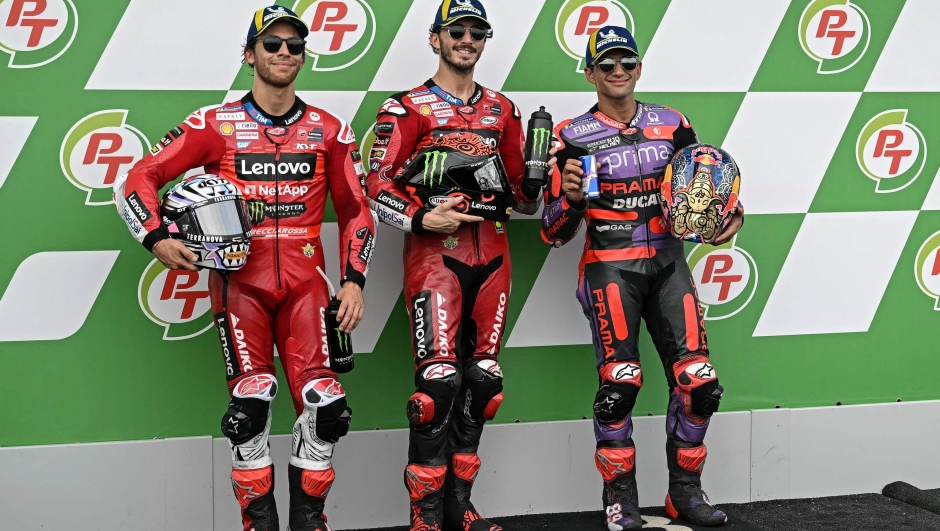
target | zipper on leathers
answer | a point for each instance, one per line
(277, 210)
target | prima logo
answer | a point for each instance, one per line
(177, 300)
(434, 167)
(36, 32)
(834, 33)
(97, 149)
(927, 268)
(338, 31)
(541, 139)
(891, 151)
(578, 19)
(725, 277)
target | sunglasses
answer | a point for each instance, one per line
(627, 63)
(272, 44)
(457, 32)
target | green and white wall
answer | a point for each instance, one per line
(828, 295)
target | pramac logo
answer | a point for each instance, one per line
(36, 32)
(97, 149)
(927, 268)
(725, 276)
(891, 151)
(835, 33)
(578, 19)
(177, 300)
(341, 31)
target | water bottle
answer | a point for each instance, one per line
(537, 143)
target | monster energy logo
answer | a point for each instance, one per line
(256, 211)
(434, 166)
(342, 339)
(540, 141)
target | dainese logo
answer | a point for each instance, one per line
(725, 276)
(578, 19)
(891, 151)
(177, 300)
(834, 33)
(341, 31)
(99, 148)
(36, 32)
(927, 268)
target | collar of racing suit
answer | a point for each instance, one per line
(595, 110)
(450, 98)
(293, 115)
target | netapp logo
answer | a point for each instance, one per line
(263, 167)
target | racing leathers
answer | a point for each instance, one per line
(633, 268)
(284, 166)
(456, 287)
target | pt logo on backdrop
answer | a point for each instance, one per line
(341, 31)
(177, 300)
(99, 148)
(725, 276)
(891, 151)
(834, 33)
(36, 32)
(577, 19)
(927, 268)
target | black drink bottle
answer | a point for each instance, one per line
(537, 143)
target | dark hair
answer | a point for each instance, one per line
(249, 46)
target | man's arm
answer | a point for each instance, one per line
(564, 204)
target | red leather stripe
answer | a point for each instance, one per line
(613, 255)
(615, 306)
(691, 321)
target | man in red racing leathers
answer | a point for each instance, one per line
(457, 269)
(632, 268)
(284, 156)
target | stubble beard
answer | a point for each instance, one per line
(266, 74)
(449, 56)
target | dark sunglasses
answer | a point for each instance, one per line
(457, 32)
(627, 63)
(272, 44)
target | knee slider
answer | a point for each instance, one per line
(325, 403)
(247, 414)
(437, 385)
(484, 389)
(620, 385)
(698, 386)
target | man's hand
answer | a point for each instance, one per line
(444, 220)
(552, 161)
(351, 307)
(175, 255)
(737, 219)
(571, 180)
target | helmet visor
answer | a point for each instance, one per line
(223, 218)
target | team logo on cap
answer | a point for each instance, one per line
(341, 31)
(891, 151)
(725, 277)
(177, 300)
(36, 32)
(578, 19)
(834, 33)
(99, 148)
(927, 268)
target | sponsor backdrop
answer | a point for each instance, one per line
(830, 107)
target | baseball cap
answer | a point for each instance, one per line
(452, 10)
(265, 17)
(606, 39)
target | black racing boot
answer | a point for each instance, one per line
(686, 499)
(308, 491)
(620, 498)
(459, 513)
(254, 490)
(425, 487)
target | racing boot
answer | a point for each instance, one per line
(425, 487)
(254, 490)
(620, 498)
(459, 513)
(686, 499)
(308, 490)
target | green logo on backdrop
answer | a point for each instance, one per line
(726, 277)
(341, 31)
(891, 151)
(434, 167)
(835, 33)
(36, 32)
(577, 19)
(540, 139)
(927, 268)
(177, 300)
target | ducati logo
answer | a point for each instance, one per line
(927, 268)
(99, 148)
(177, 300)
(578, 19)
(725, 277)
(341, 31)
(36, 32)
(891, 151)
(834, 33)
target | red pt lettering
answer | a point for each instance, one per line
(592, 18)
(884, 148)
(178, 280)
(829, 24)
(936, 264)
(323, 20)
(18, 17)
(713, 273)
(95, 154)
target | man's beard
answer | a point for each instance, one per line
(451, 59)
(266, 73)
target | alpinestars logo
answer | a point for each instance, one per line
(177, 300)
(891, 151)
(834, 33)
(341, 31)
(36, 32)
(578, 19)
(434, 167)
(927, 268)
(725, 277)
